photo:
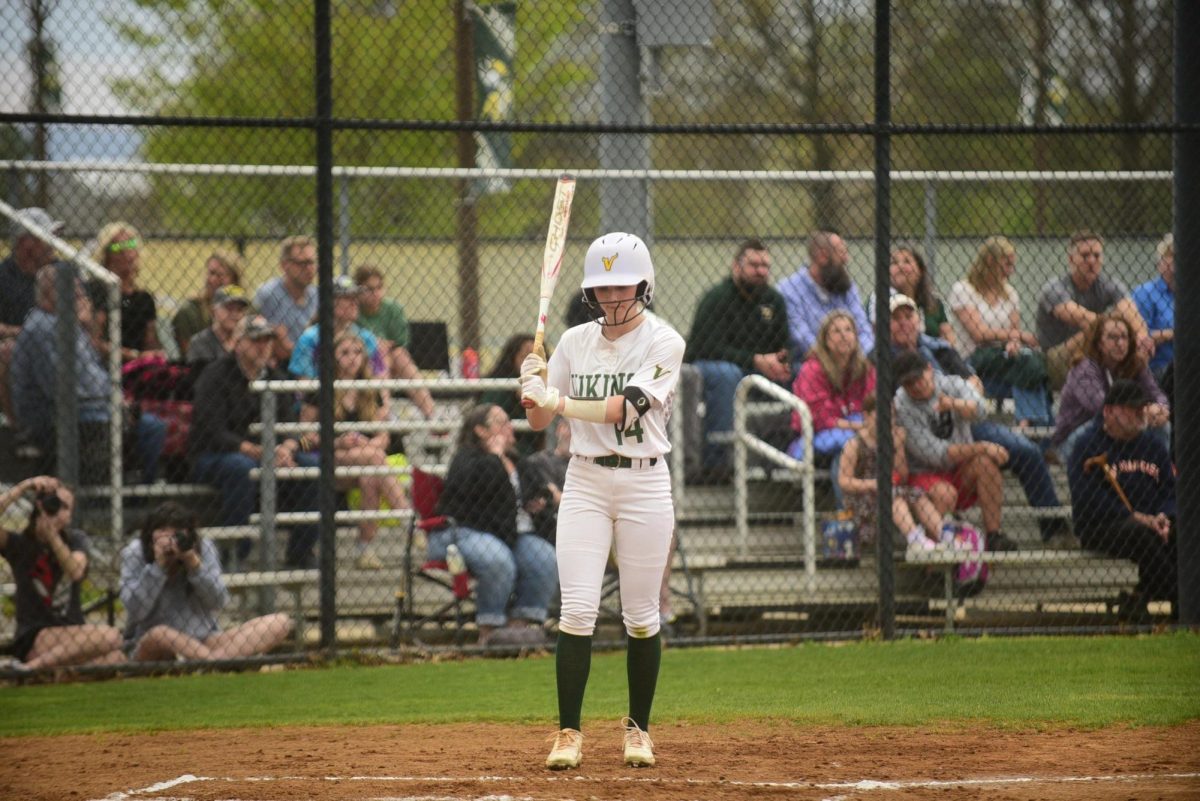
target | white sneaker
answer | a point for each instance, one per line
(639, 748)
(368, 560)
(567, 751)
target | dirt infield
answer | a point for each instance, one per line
(765, 760)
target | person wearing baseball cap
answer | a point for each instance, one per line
(1123, 497)
(224, 449)
(229, 306)
(17, 273)
(303, 363)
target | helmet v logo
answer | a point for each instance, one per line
(608, 261)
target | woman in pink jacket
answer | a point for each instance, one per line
(833, 382)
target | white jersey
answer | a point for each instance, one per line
(586, 365)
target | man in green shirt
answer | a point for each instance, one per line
(740, 327)
(386, 320)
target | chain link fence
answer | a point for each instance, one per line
(221, 197)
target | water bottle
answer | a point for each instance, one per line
(470, 363)
(458, 570)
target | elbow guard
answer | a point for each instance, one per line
(637, 403)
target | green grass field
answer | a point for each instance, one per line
(1025, 683)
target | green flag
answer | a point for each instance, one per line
(495, 47)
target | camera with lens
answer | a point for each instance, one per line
(49, 502)
(185, 539)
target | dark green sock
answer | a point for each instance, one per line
(641, 665)
(572, 664)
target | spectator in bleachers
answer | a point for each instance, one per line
(223, 451)
(491, 499)
(1123, 493)
(740, 328)
(1108, 356)
(1070, 303)
(1155, 301)
(289, 300)
(909, 276)
(937, 411)
(172, 590)
(229, 306)
(987, 315)
(915, 515)
(17, 273)
(49, 561)
(358, 448)
(834, 381)
(303, 363)
(819, 287)
(1025, 458)
(118, 249)
(385, 319)
(34, 379)
(508, 365)
(552, 462)
(223, 268)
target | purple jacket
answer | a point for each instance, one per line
(1083, 396)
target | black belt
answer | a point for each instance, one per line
(614, 461)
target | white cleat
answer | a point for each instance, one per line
(639, 748)
(567, 751)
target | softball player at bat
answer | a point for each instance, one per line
(613, 379)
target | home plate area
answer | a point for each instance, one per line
(740, 760)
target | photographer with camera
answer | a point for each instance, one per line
(49, 561)
(172, 589)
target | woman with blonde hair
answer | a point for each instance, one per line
(987, 318)
(118, 248)
(358, 448)
(833, 381)
(221, 268)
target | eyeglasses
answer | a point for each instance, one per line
(304, 262)
(1117, 336)
(128, 244)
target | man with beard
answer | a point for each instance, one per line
(814, 291)
(740, 328)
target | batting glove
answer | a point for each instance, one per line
(535, 389)
(533, 365)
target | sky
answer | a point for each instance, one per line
(90, 56)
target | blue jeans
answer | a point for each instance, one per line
(827, 446)
(1028, 464)
(149, 440)
(1031, 404)
(720, 384)
(230, 473)
(529, 570)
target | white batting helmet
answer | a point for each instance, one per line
(619, 259)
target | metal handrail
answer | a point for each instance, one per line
(744, 441)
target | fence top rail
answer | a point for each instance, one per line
(460, 385)
(88, 264)
(306, 171)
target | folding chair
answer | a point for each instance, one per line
(426, 488)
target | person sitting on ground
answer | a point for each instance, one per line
(740, 328)
(491, 499)
(508, 365)
(118, 248)
(915, 515)
(987, 316)
(1123, 496)
(1109, 355)
(834, 381)
(222, 268)
(385, 319)
(1155, 301)
(908, 275)
(289, 300)
(49, 561)
(358, 448)
(172, 590)
(1025, 457)
(223, 451)
(937, 411)
(229, 306)
(1069, 305)
(17, 272)
(35, 367)
(345, 320)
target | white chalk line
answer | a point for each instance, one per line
(861, 785)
